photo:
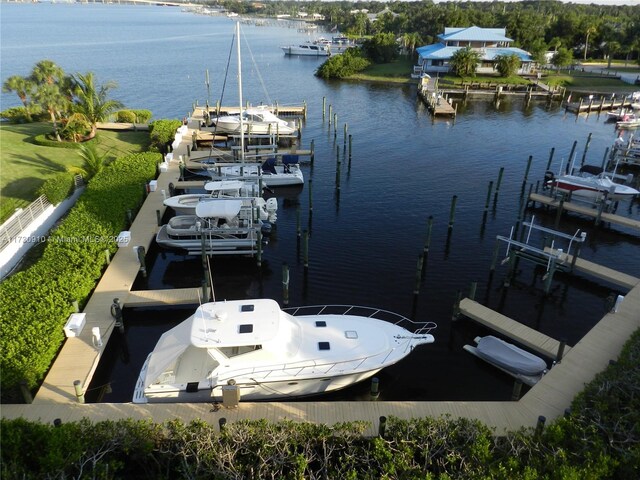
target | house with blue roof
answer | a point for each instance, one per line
(490, 42)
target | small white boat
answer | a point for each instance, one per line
(589, 184)
(272, 174)
(269, 353)
(247, 191)
(222, 226)
(255, 120)
(629, 121)
(619, 114)
(307, 49)
(518, 363)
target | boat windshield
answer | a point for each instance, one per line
(230, 352)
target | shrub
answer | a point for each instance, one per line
(142, 116)
(36, 302)
(162, 133)
(44, 141)
(58, 187)
(16, 115)
(344, 65)
(125, 116)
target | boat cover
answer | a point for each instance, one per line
(269, 166)
(170, 346)
(219, 208)
(509, 356)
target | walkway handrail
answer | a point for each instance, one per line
(11, 229)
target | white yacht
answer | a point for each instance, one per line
(254, 121)
(269, 353)
(307, 49)
(272, 173)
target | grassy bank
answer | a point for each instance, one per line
(25, 166)
(398, 72)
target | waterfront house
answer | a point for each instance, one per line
(490, 42)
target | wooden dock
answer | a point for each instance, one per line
(528, 337)
(548, 398)
(599, 271)
(594, 213)
(598, 104)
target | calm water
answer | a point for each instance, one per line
(365, 238)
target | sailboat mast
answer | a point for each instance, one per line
(240, 91)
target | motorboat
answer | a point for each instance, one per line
(590, 182)
(268, 353)
(185, 204)
(271, 172)
(337, 44)
(258, 120)
(520, 364)
(220, 226)
(619, 114)
(628, 121)
(307, 49)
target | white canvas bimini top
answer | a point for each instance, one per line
(219, 208)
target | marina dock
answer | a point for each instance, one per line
(70, 375)
(594, 213)
(602, 103)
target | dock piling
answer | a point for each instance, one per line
(77, 386)
(586, 147)
(382, 426)
(285, 283)
(375, 388)
(141, 258)
(452, 211)
(517, 389)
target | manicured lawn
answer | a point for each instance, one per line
(394, 72)
(24, 166)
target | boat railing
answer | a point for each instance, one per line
(417, 328)
(301, 367)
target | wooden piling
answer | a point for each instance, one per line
(416, 289)
(324, 104)
(141, 258)
(498, 183)
(77, 386)
(427, 241)
(452, 211)
(553, 149)
(285, 284)
(375, 388)
(312, 155)
(573, 149)
(486, 203)
(586, 147)
(305, 250)
(309, 184)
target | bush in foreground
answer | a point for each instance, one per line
(599, 440)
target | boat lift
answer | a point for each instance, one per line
(549, 255)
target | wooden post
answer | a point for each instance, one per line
(486, 203)
(540, 426)
(330, 113)
(382, 426)
(495, 256)
(285, 284)
(560, 353)
(312, 155)
(604, 158)
(472, 290)
(309, 183)
(586, 147)
(427, 242)
(305, 250)
(324, 103)
(517, 389)
(337, 167)
(573, 149)
(346, 128)
(498, 183)
(77, 386)
(335, 125)
(141, 258)
(553, 149)
(456, 306)
(298, 221)
(375, 388)
(159, 218)
(416, 289)
(259, 253)
(452, 211)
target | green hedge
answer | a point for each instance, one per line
(600, 439)
(58, 187)
(162, 132)
(44, 141)
(37, 302)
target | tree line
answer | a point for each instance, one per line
(587, 31)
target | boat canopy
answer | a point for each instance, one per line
(219, 208)
(223, 185)
(510, 357)
(171, 345)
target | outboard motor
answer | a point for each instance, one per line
(272, 209)
(549, 177)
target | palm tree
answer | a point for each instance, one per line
(46, 71)
(590, 29)
(612, 48)
(22, 86)
(93, 160)
(464, 62)
(92, 101)
(49, 97)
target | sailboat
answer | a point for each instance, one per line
(273, 174)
